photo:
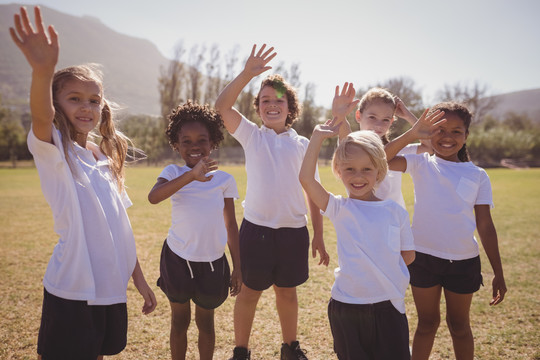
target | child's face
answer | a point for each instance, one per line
(273, 109)
(377, 117)
(81, 102)
(358, 174)
(193, 143)
(449, 138)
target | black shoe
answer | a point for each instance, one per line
(241, 353)
(292, 352)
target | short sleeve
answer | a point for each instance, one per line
(406, 235)
(332, 209)
(485, 194)
(244, 131)
(231, 189)
(412, 161)
(169, 173)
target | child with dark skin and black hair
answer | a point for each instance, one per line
(193, 264)
(453, 198)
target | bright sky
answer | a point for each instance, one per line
(433, 42)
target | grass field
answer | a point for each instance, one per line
(508, 331)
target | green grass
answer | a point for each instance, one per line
(508, 331)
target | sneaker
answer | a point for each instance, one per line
(241, 353)
(293, 352)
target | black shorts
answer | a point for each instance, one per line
(368, 331)
(459, 276)
(72, 329)
(273, 256)
(206, 283)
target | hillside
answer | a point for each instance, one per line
(519, 102)
(130, 65)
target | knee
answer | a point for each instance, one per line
(458, 327)
(180, 322)
(428, 324)
(286, 294)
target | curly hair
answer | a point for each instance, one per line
(191, 112)
(277, 82)
(113, 143)
(461, 111)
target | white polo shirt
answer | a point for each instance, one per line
(390, 187)
(274, 196)
(445, 195)
(95, 254)
(370, 238)
(197, 231)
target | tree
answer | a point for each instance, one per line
(146, 133)
(213, 76)
(310, 115)
(474, 96)
(12, 136)
(171, 83)
(196, 59)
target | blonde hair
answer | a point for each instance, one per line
(367, 141)
(113, 143)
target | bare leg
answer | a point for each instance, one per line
(180, 319)
(457, 317)
(427, 302)
(244, 313)
(207, 335)
(287, 307)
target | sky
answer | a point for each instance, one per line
(495, 43)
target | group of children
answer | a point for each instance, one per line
(84, 312)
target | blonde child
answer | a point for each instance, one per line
(375, 245)
(193, 264)
(274, 239)
(453, 198)
(377, 111)
(84, 313)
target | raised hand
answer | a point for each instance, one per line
(425, 126)
(344, 102)
(202, 168)
(256, 63)
(41, 51)
(327, 130)
(403, 112)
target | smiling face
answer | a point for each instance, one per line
(449, 138)
(377, 116)
(358, 174)
(273, 109)
(193, 143)
(81, 102)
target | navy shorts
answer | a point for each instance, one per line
(368, 331)
(273, 256)
(206, 283)
(459, 276)
(72, 329)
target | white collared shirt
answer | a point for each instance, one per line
(445, 195)
(95, 254)
(274, 196)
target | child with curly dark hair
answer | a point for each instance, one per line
(193, 264)
(274, 240)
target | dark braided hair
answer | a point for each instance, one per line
(461, 111)
(194, 113)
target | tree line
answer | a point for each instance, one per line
(199, 73)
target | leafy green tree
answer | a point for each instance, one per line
(12, 136)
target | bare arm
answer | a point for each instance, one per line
(488, 236)
(255, 65)
(41, 52)
(317, 244)
(408, 256)
(232, 242)
(150, 302)
(164, 189)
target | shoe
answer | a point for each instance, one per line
(241, 353)
(293, 352)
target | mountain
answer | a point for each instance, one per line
(519, 102)
(131, 66)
